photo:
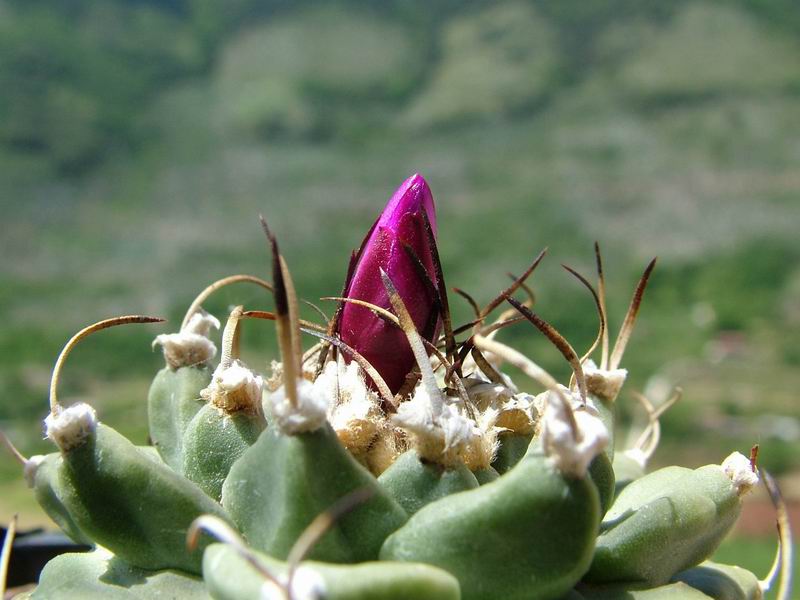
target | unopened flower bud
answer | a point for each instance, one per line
(399, 244)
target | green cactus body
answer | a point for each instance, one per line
(672, 591)
(415, 483)
(602, 473)
(151, 452)
(722, 582)
(213, 441)
(499, 539)
(230, 422)
(665, 522)
(485, 476)
(47, 489)
(295, 478)
(229, 577)
(127, 502)
(99, 575)
(172, 402)
(510, 451)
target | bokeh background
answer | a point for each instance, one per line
(140, 139)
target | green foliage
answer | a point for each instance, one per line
(76, 76)
(73, 84)
(751, 275)
(302, 74)
(494, 63)
(739, 54)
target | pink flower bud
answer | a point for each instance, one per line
(387, 246)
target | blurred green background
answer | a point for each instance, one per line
(140, 139)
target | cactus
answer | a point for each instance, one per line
(391, 459)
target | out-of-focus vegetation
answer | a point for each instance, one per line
(140, 139)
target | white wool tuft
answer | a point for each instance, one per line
(416, 415)
(235, 387)
(310, 412)
(482, 450)
(602, 382)
(458, 430)
(569, 454)
(70, 427)
(518, 414)
(737, 466)
(238, 376)
(353, 409)
(201, 323)
(436, 424)
(30, 469)
(307, 584)
(349, 393)
(191, 346)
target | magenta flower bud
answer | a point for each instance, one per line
(399, 229)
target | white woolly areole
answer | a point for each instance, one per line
(519, 414)
(310, 412)
(201, 323)
(481, 451)
(191, 345)
(30, 469)
(603, 382)
(458, 430)
(307, 584)
(235, 388)
(350, 398)
(237, 376)
(353, 409)
(438, 425)
(572, 454)
(70, 427)
(737, 466)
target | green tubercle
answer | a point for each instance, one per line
(99, 575)
(229, 577)
(284, 481)
(415, 483)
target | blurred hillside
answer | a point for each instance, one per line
(140, 139)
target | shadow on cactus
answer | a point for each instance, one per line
(389, 458)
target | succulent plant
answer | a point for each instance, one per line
(393, 459)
